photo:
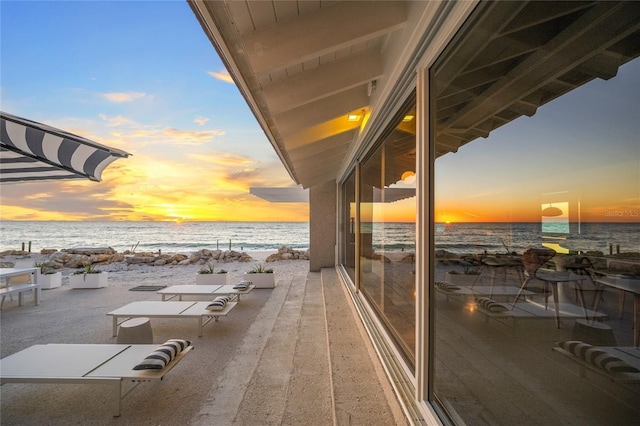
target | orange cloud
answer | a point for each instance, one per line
(117, 121)
(120, 97)
(223, 159)
(201, 120)
(222, 76)
(191, 137)
(127, 134)
(39, 196)
(173, 174)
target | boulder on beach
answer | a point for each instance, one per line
(78, 258)
(286, 253)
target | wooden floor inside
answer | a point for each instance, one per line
(498, 371)
(489, 375)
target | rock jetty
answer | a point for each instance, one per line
(80, 257)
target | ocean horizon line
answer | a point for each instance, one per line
(178, 222)
(155, 221)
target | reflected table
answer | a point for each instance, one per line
(553, 279)
(628, 284)
(493, 264)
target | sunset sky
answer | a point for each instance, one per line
(142, 77)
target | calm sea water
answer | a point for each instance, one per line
(256, 236)
(153, 236)
(471, 238)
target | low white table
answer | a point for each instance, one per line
(193, 310)
(84, 364)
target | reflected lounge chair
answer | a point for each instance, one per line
(532, 260)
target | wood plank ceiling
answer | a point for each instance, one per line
(522, 55)
(308, 66)
(305, 66)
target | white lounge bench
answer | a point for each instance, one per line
(151, 309)
(179, 291)
(531, 310)
(597, 363)
(466, 292)
(110, 365)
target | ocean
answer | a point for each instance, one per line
(518, 237)
(187, 237)
(474, 238)
(169, 237)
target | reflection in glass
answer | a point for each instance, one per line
(348, 218)
(555, 218)
(387, 233)
(557, 268)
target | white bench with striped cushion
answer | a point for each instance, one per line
(618, 363)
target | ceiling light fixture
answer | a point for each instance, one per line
(551, 211)
(408, 117)
(408, 177)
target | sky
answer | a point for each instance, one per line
(582, 148)
(140, 76)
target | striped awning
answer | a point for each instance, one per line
(31, 151)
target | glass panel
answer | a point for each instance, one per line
(387, 232)
(536, 222)
(348, 218)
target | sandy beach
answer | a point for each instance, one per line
(253, 367)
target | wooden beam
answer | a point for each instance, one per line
(322, 146)
(323, 110)
(602, 26)
(325, 80)
(319, 132)
(326, 30)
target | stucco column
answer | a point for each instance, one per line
(322, 226)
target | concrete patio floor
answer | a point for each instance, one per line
(289, 356)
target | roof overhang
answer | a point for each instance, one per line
(308, 71)
(321, 77)
(281, 195)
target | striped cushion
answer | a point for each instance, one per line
(490, 304)
(241, 285)
(218, 303)
(162, 355)
(445, 286)
(597, 357)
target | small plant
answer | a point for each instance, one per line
(260, 269)
(88, 269)
(209, 269)
(91, 277)
(45, 270)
